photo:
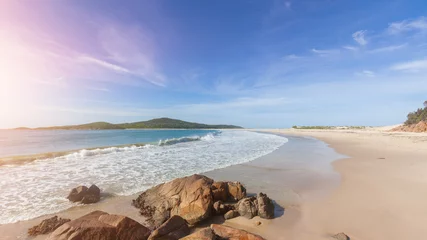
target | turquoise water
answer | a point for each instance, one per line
(26, 142)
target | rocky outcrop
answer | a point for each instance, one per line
(203, 234)
(47, 226)
(85, 195)
(265, 206)
(100, 225)
(220, 208)
(419, 127)
(231, 214)
(236, 191)
(220, 191)
(341, 236)
(173, 229)
(261, 206)
(225, 232)
(189, 197)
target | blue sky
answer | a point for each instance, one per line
(249, 63)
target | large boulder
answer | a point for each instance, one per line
(85, 195)
(220, 191)
(236, 191)
(77, 193)
(225, 232)
(47, 226)
(173, 229)
(248, 207)
(189, 197)
(265, 206)
(203, 234)
(100, 225)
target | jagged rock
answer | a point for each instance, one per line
(341, 236)
(225, 232)
(203, 234)
(265, 206)
(100, 225)
(173, 229)
(236, 191)
(220, 191)
(231, 214)
(77, 193)
(47, 226)
(247, 207)
(258, 223)
(85, 195)
(189, 197)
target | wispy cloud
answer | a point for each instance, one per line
(388, 48)
(366, 73)
(351, 48)
(104, 64)
(413, 66)
(419, 24)
(359, 37)
(325, 52)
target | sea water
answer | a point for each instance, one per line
(40, 187)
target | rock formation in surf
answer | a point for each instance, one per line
(84, 194)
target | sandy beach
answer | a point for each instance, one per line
(366, 183)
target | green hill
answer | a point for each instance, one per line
(158, 123)
(417, 116)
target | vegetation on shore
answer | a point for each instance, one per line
(417, 116)
(158, 123)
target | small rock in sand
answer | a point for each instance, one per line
(341, 236)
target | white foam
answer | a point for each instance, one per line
(40, 187)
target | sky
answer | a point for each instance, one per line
(257, 64)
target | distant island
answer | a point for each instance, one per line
(157, 123)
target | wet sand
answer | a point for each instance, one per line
(290, 175)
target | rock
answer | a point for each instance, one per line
(77, 193)
(47, 226)
(231, 214)
(265, 206)
(258, 223)
(236, 191)
(189, 197)
(247, 207)
(126, 228)
(203, 234)
(85, 195)
(225, 232)
(174, 228)
(100, 225)
(219, 208)
(220, 191)
(341, 236)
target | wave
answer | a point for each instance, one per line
(171, 141)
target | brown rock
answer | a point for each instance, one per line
(173, 229)
(47, 226)
(220, 191)
(92, 195)
(258, 223)
(265, 206)
(77, 193)
(203, 234)
(233, 233)
(236, 191)
(341, 236)
(189, 197)
(247, 207)
(126, 228)
(219, 208)
(231, 214)
(100, 225)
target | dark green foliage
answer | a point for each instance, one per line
(417, 116)
(161, 123)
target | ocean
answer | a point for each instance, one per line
(115, 161)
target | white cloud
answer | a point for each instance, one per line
(388, 48)
(351, 48)
(325, 52)
(419, 24)
(366, 73)
(413, 66)
(104, 64)
(359, 37)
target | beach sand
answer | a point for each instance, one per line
(377, 191)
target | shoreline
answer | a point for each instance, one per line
(121, 204)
